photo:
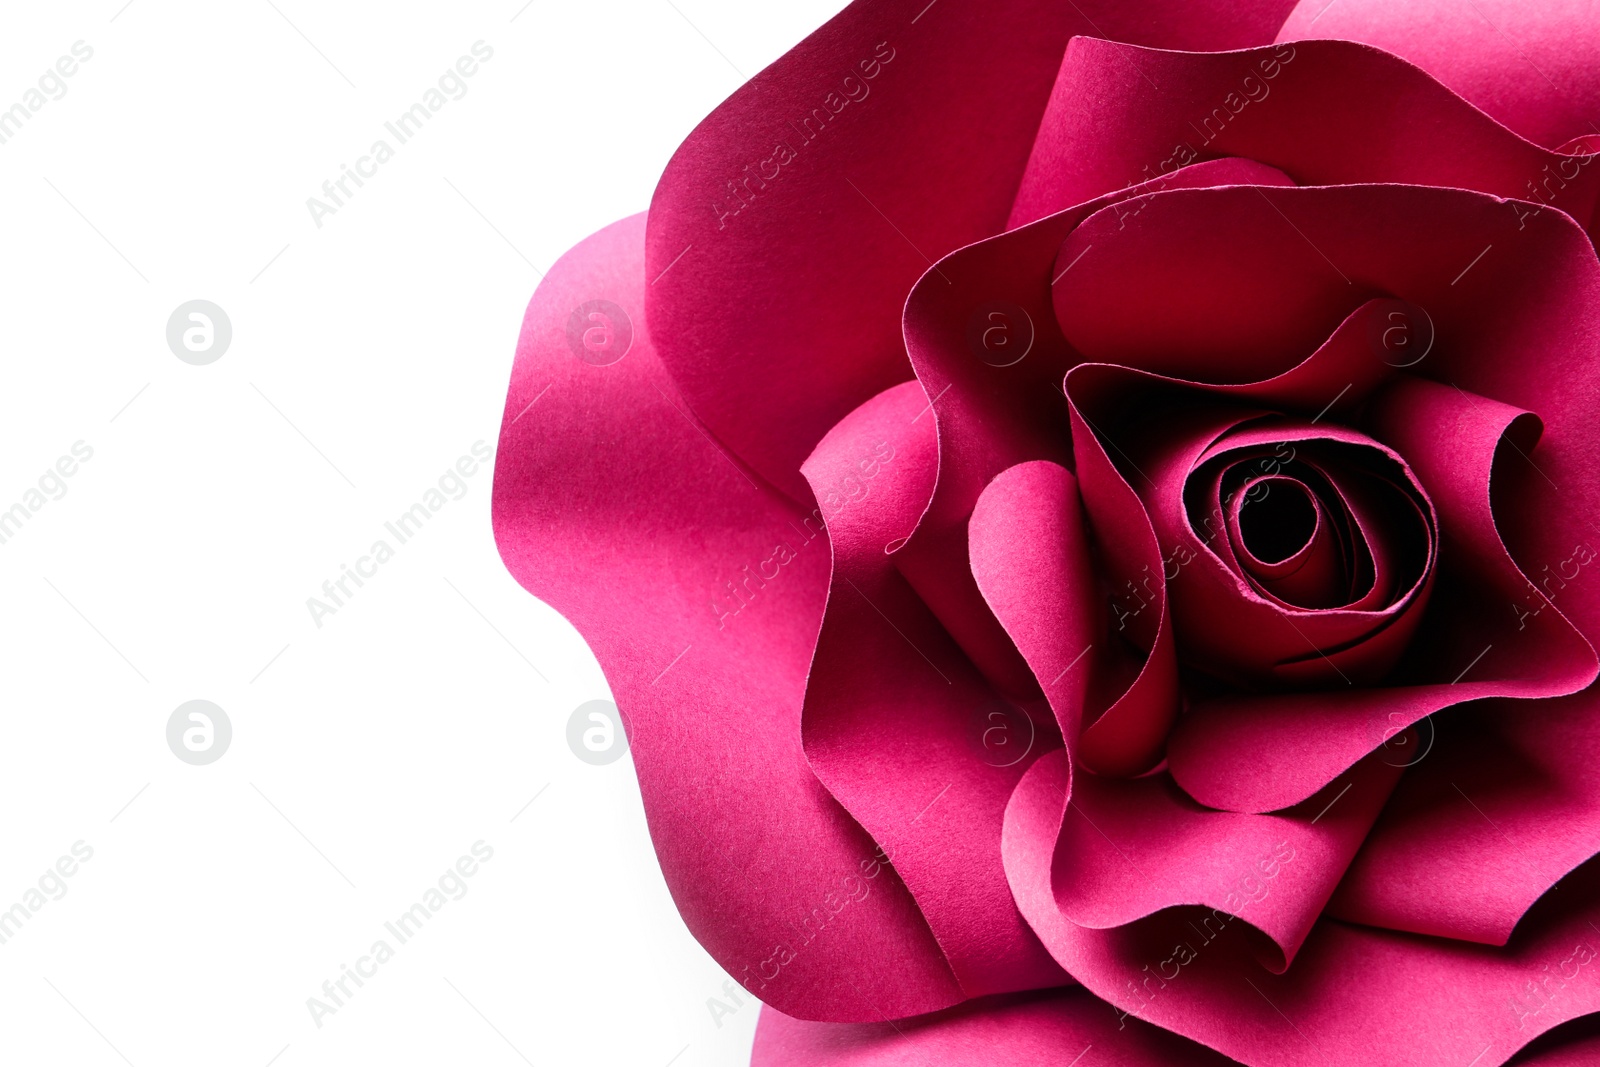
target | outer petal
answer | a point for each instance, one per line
(1050, 1028)
(1354, 996)
(615, 508)
(898, 724)
(1535, 67)
(1325, 112)
(789, 226)
(1044, 1030)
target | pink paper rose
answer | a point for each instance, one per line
(1093, 507)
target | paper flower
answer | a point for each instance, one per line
(1092, 507)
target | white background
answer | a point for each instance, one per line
(367, 356)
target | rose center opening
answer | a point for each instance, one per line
(1277, 521)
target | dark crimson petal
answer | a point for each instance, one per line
(1575, 1045)
(897, 723)
(1250, 753)
(614, 508)
(1332, 113)
(1127, 737)
(1182, 305)
(1375, 528)
(1049, 1028)
(1309, 575)
(1355, 996)
(1508, 799)
(1484, 823)
(1220, 623)
(1535, 67)
(1505, 291)
(780, 254)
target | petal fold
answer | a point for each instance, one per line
(1354, 995)
(898, 725)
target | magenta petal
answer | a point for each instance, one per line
(1132, 848)
(789, 226)
(1535, 67)
(614, 508)
(1049, 1028)
(995, 411)
(1355, 996)
(898, 724)
(1326, 112)
(1030, 557)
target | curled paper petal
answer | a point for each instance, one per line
(897, 723)
(1326, 112)
(1030, 557)
(985, 346)
(1132, 848)
(644, 566)
(995, 410)
(1248, 323)
(1351, 989)
(1295, 741)
(1499, 808)
(803, 202)
(1535, 67)
(1042, 1028)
